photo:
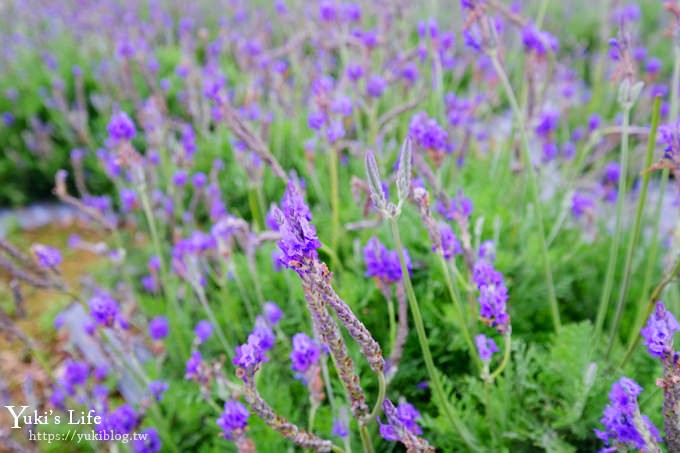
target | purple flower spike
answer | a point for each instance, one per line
(383, 263)
(450, 244)
(375, 86)
(486, 347)
(262, 335)
(305, 352)
(158, 388)
(623, 423)
(48, 257)
(103, 308)
(193, 365)
(272, 313)
(249, 357)
(158, 328)
(298, 237)
(203, 331)
(659, 331)
(121, 127)
(150, 443)
(493, 295)
(234, 417)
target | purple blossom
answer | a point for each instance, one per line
(355, 72)
(121, 127)
(157, 389)
(406, 416)
(376, 85)
(612, 172)
(128, 199)
(458, 208)
(340, 426)
(48, 257)
(382, 263)
(249, 356)
(486, 347)
(180, 178)
(659, 331)
(427, 132)
(305, 352)
(450, 244)
(622, 420)
(538, 41)
(272, 312)
(103, 308)
(493, 295)
(199, 180)
(262, 336)
(298, 242)
(234, 417)
(75, 374)
(581, 203)
(203, 331)
(158, 328)
(193, 365)
(148, 441)
(669, 134)
(122, 420)
(547, 122)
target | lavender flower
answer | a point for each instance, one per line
(122, 420)
(493, 295)
(262, 335)
(249, 357)
(234, 418)
(148, 441)
(103, 308)
(375, 86)
(158, 328)
(383, 263)
(203, 331)
(581, 204)
(272, 313)
(402, 426)
(623, 423)
(305, 352)
(48, 257)
(157, 389)
(486, 347)
(450, 244)
(121, 127)
(298, 237)
(74, 374)
(659, 331)
(193, 365)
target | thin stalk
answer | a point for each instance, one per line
(312, 415)
(392, 320)
(489, 411)
(614, 246)
(449, 411)
(335, 198)
(459, 309)
(218, 329)
(506, 357)
(173, 310)
(255, 208)
(365, 439)
(519, 117)
(382, 389)
(541, 13)
(632, 240)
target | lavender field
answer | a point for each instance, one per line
(334, 226)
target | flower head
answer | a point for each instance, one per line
(382, 263)
(622, 419)
(158, 328)
(659, 331)
(493, 295)
(234, 417)
(48, 257)
(272, 312)
(486, 347)
(121, 127)
(203, 331)
(157, 389)
(450, 244)
(305, 352)
(148, 441)
(103, 308)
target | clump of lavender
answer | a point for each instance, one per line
(234, 423)
(624, 426)
(383, 264)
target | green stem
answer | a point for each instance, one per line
(506, 357)
(449, 411)
(173, 310)
(392, 321)
(218, 328)
(312, 414)
(459, 309)
(255, 208)
(521, 124)
(335, 197)
(489, 411)
(541, 13)
(382, 389)
(632, 240)
(365, 439)
(614, 247)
